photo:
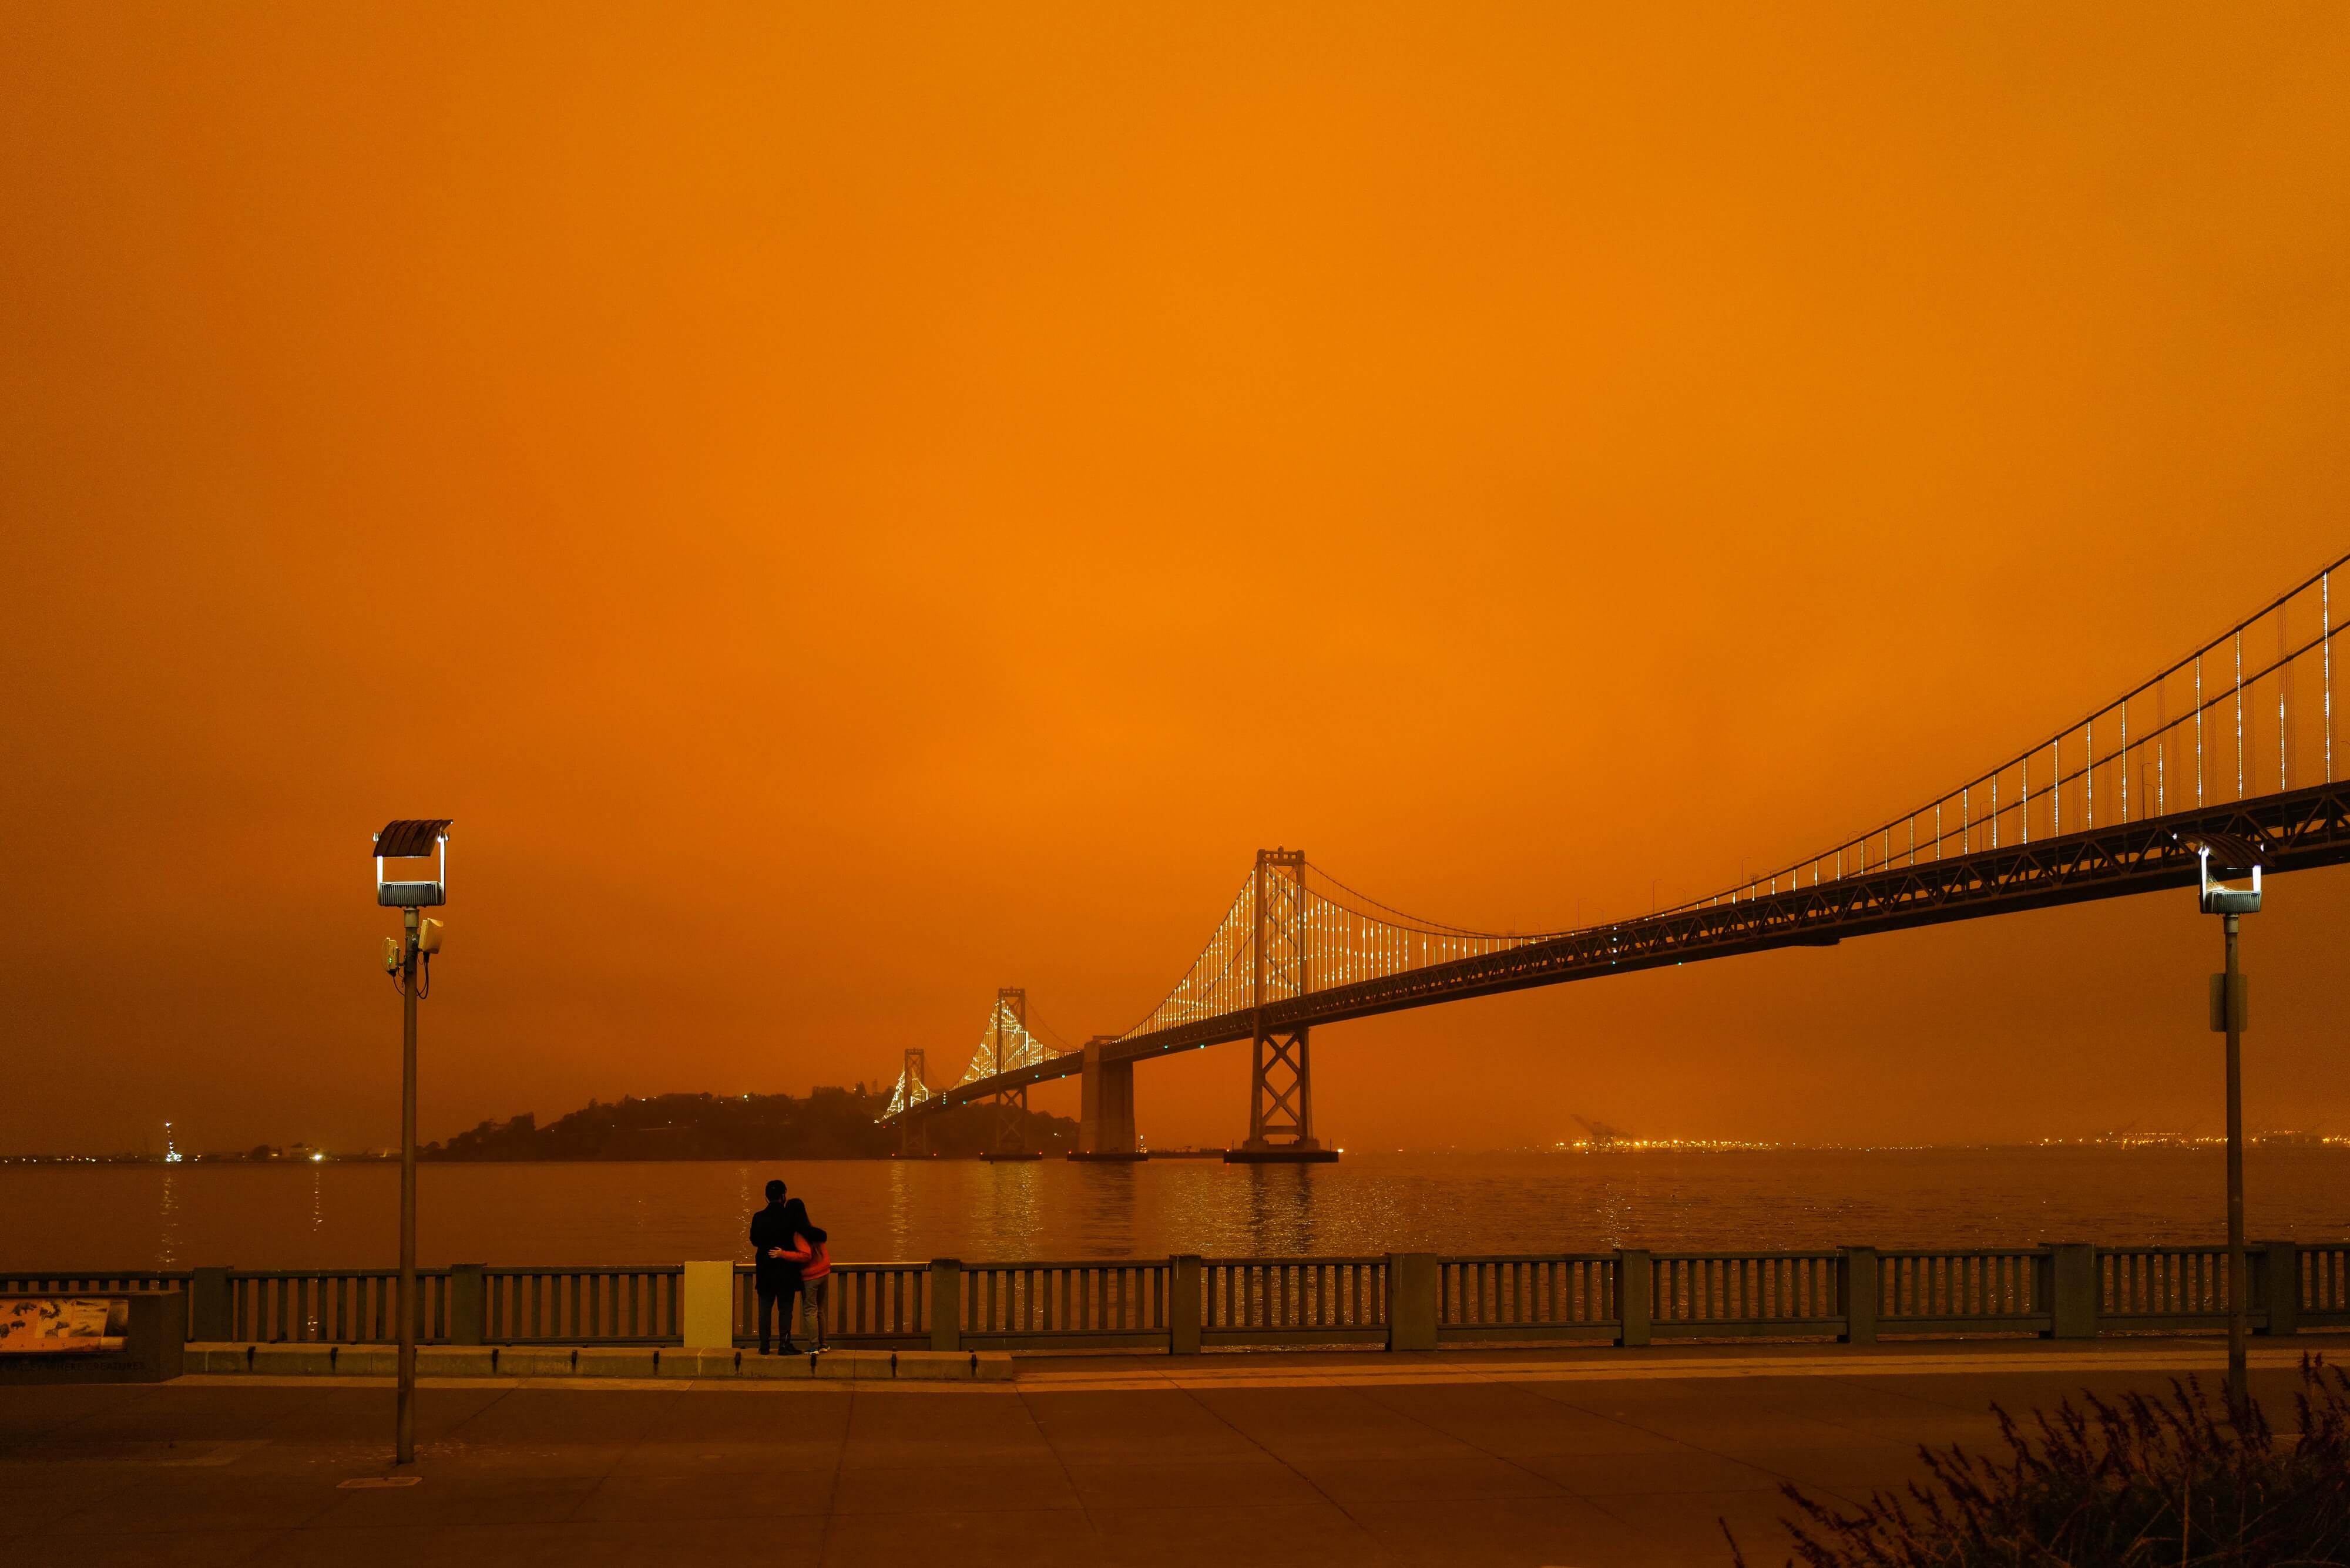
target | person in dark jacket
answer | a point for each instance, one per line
(775, 1262)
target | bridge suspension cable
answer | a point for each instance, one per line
(1317, 933)
(1005, 1045)
(910, 1090)
(2232, 720)
(2243, 726)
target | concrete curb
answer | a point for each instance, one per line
(644, 1362)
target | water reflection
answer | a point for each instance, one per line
(1016, 1221)
(1108, 1214)
(1279, 1208)
(1612, 1213)
(167, 1241)
(900, 1208)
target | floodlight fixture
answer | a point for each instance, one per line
(2231, 872)
(413, 839)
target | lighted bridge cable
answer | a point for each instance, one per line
(1400, 919)
(1350, 944)
(1313, 941)
(2209, 698)
(1005, 1045)
(1217, 980)
(1330, 942)
(1060, 1041)
(1004, 1029)
(910, 1090)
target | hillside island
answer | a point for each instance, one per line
(826, 1124)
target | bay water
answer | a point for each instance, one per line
(345, 1215)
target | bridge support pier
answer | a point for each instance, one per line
(1106, 1121)
(1281, 1103)
(1011, 1127)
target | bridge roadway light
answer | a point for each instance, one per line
(2231, 887)
(410, 839)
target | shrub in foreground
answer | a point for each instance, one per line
(2177, 1480)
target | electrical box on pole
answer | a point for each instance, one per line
(2232, 1004)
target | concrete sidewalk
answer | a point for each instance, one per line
(1503, 1456)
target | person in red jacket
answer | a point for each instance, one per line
(814, 1260)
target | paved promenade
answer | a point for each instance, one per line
(1583, 1458)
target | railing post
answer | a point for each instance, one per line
(1411, 1300)
(2277, 1287)
(946, 1303)
(1635, 1280)
(1861, 1295)
(468, 1303)
(212, 1307)
(705, 1317)
(1184, 1304)
(2075, 1294)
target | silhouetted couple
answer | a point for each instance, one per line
(788, 1257)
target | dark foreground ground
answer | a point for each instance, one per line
(1504, 1456)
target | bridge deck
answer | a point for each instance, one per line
(2298, 829)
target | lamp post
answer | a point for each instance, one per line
(2232, 888)
(409, 958)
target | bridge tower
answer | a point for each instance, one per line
(1010, 1140)
(1281, 1078)
(913, 1131)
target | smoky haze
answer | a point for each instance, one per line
(848, 512)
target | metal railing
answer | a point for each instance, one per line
(581, 1306)
(2169, 1285)
(1705, 1295)
(1293, 1301)
(1010, 1305)
(869, 1303)
(1402, 1299)
(95, 1282)
(2323, 1277)
(1971, 1291)
(1524, 1295)
(355, 1308)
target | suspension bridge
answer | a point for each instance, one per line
(2234, 742)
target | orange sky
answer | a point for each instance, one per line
(851, 510)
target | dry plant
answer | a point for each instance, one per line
(2146, 1481)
